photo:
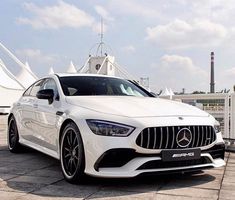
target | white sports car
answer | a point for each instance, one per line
(111, 127)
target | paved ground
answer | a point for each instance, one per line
(32, 175)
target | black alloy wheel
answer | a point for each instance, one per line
(13, 136)
(72, 154)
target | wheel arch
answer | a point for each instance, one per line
(9, 117)
(64, 124)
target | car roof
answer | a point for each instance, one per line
(88, 75)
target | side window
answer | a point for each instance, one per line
(51, 84)
(27, 92)
(36, 87)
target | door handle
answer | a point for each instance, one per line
(35, 105)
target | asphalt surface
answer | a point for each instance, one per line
(34, 176)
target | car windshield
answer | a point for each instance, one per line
(92, 85)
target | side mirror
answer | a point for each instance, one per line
(46, 94)
(154, 94)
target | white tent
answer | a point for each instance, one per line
(71, 68)
(26, 77)
(10, 88)
(171, 92)
(7, 79)
(165, 92)
(51, 71)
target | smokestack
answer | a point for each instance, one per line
(212, 83)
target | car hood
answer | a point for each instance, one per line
(135, 106)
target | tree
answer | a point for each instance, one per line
(198, 92)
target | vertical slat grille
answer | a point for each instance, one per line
(202, 134)
(160, 146)
(194, 136)
(155, 138)
(165, 137)
(148, 138)
(173, 137)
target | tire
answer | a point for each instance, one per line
(72, 156)
(13, 136)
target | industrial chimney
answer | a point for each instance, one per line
(212, 83)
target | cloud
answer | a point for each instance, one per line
(220, 10)
(224, 78)
(179, 72)
(103, 13)
(57, 16)
(230, 72)
(129, 49)
(180, 34)
(135, 8)
(181, 63)
(97, 28)
(35, 55)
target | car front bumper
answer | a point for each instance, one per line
(131, 168)
(127, 159)
(123, 162)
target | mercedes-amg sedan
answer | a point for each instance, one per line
(111, 127)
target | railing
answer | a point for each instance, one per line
(221, 106)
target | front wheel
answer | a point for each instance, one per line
(13, 136)
(72, 156)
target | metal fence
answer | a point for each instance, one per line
(221, 106)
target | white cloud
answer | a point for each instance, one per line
(179, 72)
(224, 78)
(230, 72)
(220, 10)
(129, 49)
(103, 13)
(97, 28)
(57, 16)
(136, 8)
(181, 63)
(36, 56)
(180, 34)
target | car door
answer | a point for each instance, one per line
(26, 112)
(46, 118)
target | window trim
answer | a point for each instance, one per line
(31, 86)
(43, 79)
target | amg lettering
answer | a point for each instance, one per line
(178, 155)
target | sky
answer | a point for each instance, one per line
(168, 41)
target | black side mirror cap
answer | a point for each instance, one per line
(46, 94)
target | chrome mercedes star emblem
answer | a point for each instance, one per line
(184, 137)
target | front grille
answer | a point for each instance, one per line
(165, 137)
(159, 164)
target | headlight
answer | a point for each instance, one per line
(107, 128)
(217, 128)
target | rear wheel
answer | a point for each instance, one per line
(13, 136)
(72, 154)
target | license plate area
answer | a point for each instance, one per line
(181, 154)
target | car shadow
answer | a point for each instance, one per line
(36, 174)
